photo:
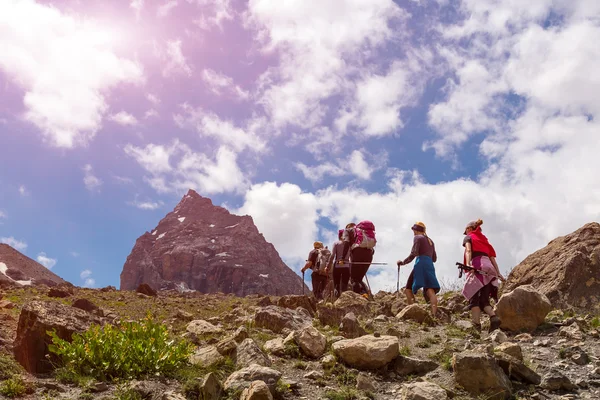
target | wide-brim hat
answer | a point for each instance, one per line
(419, 227)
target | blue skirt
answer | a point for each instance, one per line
(425, 275)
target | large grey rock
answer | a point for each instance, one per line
(277, 319)
(367, 352)
(479, 374)
(405, 366)
(249, 353)
(258, 390)
(415, 312)
(312, 342)
(512, 349)
(350, 327)
(206, 356)
(210, 387)
(516, 369)
(200, 327)
(423, 391)
(572, 331)
(275, 347)
(242, 378)
(523, 309)
(555, 381)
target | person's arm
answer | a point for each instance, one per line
(493, 260)
(468, 253)
(413, 253)
(332, 259)
(348, 240)
(312, 260)
(434, 256)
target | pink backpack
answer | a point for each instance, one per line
(365, 235)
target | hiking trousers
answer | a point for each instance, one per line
(358, 271)
(341, 276)
(318, 283)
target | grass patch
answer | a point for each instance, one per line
(126, 351)
(282, 388)
(345, 393)
(595, 322)
(70, 377)
(444, 357)
(405, 351)
(562, 353)
(428, 342)
(300, 365)
(13, 387)
(455, 332)
(8, 367)
(124, 393)
(292, 350)
(188, 375)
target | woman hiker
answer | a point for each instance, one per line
(480, 287)
(424, 271)
(341, 271)
(318, 280)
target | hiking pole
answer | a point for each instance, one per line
(398, 282)
(462, 267)
(302, 283)
(369, 286)
(368, 263)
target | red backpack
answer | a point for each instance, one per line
(364, 235)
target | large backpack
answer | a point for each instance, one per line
(322, 261)
(364, 235)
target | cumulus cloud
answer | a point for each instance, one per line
(165, 9)
(146, 205)
(23, 190)
(355, 164)
(124, 118)
(86, 277)
(226, 132)
(219, 84)
(137, 6)
(46, 261)
(214, 13)
(90, 181)
(2, 214)
(86, 273)
(176, 62)
(14, 243)
(45, 52)
(177, 168)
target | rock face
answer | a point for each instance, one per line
(17, 269)
(567, 270)
(205, 248)
(522, 309)
(38, 317)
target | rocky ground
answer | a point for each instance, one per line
(260, 347)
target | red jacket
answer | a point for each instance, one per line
(480, 243)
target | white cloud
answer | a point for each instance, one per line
(124, 118)
(89, 283)
(66, 65)
(219, 84)
(153, 99)
(14, 243)
(317, 172)
(86, 273)
(321, 46)
(46, 261)
(214, 13)
(150, 113)
(89, 179)
(356, 164)
(74, 254)
(146, 205)
(137, 6)
(177, 168)
(209, 124)
(166, 8)
(2, 214)
(176, 62)
(23, 190)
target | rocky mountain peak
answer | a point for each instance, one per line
(204, 247)
(16, 269)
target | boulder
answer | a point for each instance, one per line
(352, 302)
(328, 314)
(294, 301)
(516, 370)
(554, 381)
(200, 327)
(249, 353)
(572, 331)
(423, 391)
(275, 347)
(85, 305)
(367, 352)
(206, 356)
(498, 336)
(39, 317)
(227, 347)
(512, 349)
(146, 289)
(365, 383)
(242, 378)
(479, 374)
(258, 390)
(312, 342)
(328, 361)
(210, 387)
(405, 366)
(240, 334)
(277, 319)
(566, 271)
(60, 292)
(415, 312)
(350, 327)
(523, 309)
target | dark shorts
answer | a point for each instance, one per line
(481, 299)
(409, 285)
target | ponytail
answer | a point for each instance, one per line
(479, 222)
(430, 241)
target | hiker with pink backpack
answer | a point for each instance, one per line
(359, 244)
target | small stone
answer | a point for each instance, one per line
(498, 336)
(377, 334)
(554, 381)
(524, 337)
(328, 361)
(258, 390)
(365, 382)
(98, 387)
(314, 375)
(580, 358)
(241, 334)
(512, 349)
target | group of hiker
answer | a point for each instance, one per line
(345, 266)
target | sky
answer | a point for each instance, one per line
(305, 115)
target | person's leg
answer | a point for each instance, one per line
(432, 300)
(322, 283)
(344, 279)
(337, 279)
(475, 310)
(410, 297)
(484, 301)
(315, 284)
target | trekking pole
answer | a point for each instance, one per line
(398, 283)
(368, 263)
(369, 286)
(302, 283)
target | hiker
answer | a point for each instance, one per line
(423, 271)
(480, 287)
(359, 246)
(341, 271)
(317, 262)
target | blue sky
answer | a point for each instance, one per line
(304, 115)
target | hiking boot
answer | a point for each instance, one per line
(477, 327)
(494, 323)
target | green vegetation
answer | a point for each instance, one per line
(595, 322)
(13, 387)
(456, 332)
(71, 377)
(300, 365)
(405, 351)
(428, 342)
(8, 367)
(345, 393)
(127, 351)
(444, 357)
(124, 393)
(292, 350)
(188, 375)
(562, 353)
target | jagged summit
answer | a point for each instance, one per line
(204, 247)
(16, 269)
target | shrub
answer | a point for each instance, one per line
(13, 387)
(129, 350)
(346, 393)
(405, 351)
(595, 322)
(8, 367)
